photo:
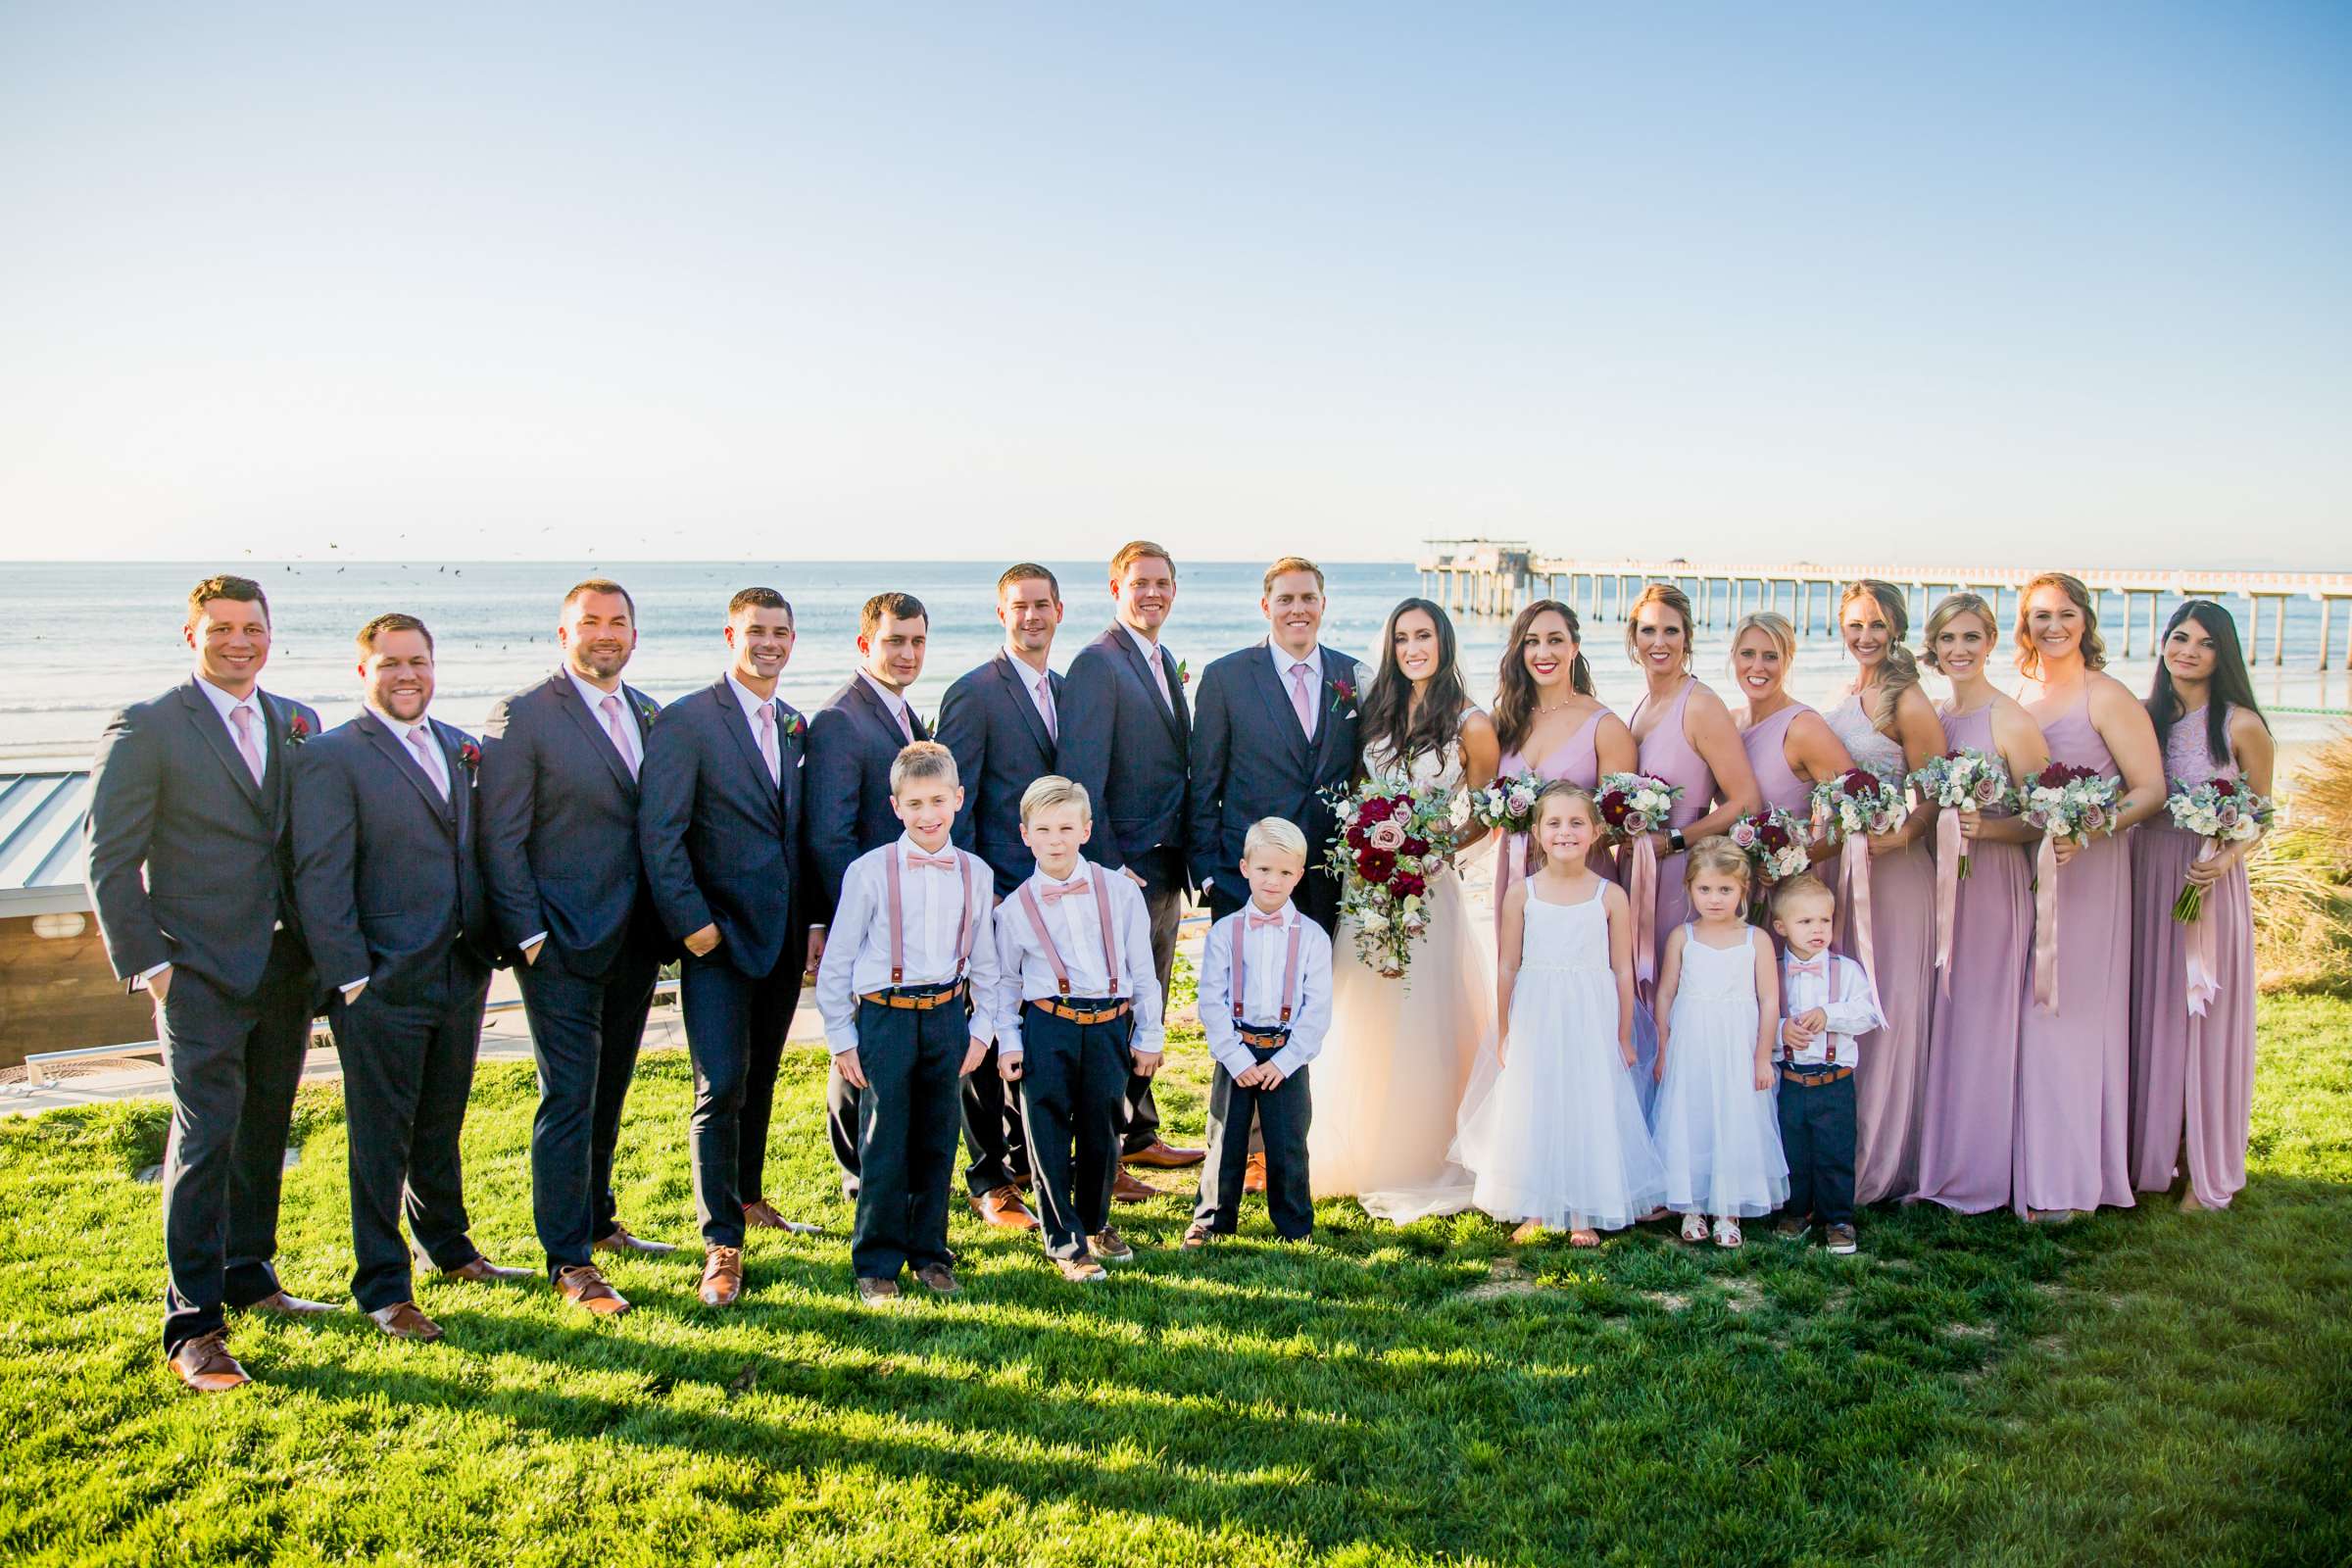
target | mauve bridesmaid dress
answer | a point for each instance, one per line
(2193, 1079)
(1890, 1063)
(1767, 744)
(1968, 1119)
(1668, 753)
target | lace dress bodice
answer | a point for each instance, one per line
(2188, 758)
(1431, 770)
(1869, 748)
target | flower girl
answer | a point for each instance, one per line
(1559, 1138)
(1719, 1005)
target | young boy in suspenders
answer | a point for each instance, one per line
(1077, 1009)
(910, 947)
(1827, 999)
(1265, 1004)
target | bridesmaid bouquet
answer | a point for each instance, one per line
(1634, 805)
(1508, 804)
(1392, 840)
(2067, 801)
(1859, 803)
(1775, 844)
(2220, 811)
(1963, 780)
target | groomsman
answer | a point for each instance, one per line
(722, 825)
(1125, 737)
(558, 827)
(852, 741)
(1000, 720)
(191, 870)
(1275, 728)
(386, 876)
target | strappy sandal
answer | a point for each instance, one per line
(1727, 1233)
(1695, 1228)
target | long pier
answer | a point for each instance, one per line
(1494, 576)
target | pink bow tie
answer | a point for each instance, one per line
(1256, 920)
(1820, 965)
(1053, 895)
(945, 860)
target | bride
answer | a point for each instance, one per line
(1399, 1054)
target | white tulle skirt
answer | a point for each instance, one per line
(1716, 1134)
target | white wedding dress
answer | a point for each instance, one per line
(1401, 1054)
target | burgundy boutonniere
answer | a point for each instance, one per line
(1184, 672)
(298, 729)
(1343, 698)
(469, 756)
(794, 725)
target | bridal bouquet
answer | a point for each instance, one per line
(2220, 811)
(2067, 801)
(1508, 804)
(1392, 840)
(1859, 803)
(1634, 805)
(1775, 844)
(1962, 780)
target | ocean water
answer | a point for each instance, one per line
(102, 635)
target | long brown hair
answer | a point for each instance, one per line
(1900, 669)
(1387, 712)
(1514, 711)
(2094, 647)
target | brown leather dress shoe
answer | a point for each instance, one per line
(279, 1305)
(1003, 1207)
(1130, 1190)
(481, 1271)
(874, 1291)
(402, 1321)
(203, 1364)
(1253, 1175)
(938, 1277)
(722, 1276)
(1081, 1270)
(1110, 1246)
(620, 1241)
(584, 1285)
(1198, 1236)
(1159, 1156)
(760, 1215)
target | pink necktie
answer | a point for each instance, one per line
(1301, 701)
(944, 860)
(248, 743)
(422, 745)
(767, 744)
(1053, 895)
(1256, 920)
(620, 736)
(906, 723)
(1044, 706)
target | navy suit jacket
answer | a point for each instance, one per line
(385, 870)
(723, 844)
(852, 741)
(558, 826)
(189, 864)
(989, 719)
(1121, 742)
(1251, 760)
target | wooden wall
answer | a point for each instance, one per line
(58, 993)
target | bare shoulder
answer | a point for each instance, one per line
(1475, 722)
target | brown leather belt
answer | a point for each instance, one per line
(1814, 1078)
(1116, 1009)
(1272, 1040)
(915, 1001)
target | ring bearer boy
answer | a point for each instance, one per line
(1265, 1005)
(911, 942)
(1077, 1012)
(1826, 1002)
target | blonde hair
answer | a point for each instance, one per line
(1715, 853)
(1900, 670)
(1537, 854)
(1051, 790)
(919, 760)
(1673, 598)
(1134, 550)
(1948, 609)
(1274, 835)
(1773, 624)
(2094, 647)
(1804, 885)
(1289, 563)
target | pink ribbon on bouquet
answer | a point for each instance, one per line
(1643, 895)
(1853, 878)
(2045, 924)
(2204, 971)
(1950, 846)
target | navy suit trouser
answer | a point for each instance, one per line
(907, 1124)
(585, 1031)
(1283, 1113)
(735, 1027)
(1072, 1088)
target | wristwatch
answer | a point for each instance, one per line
(1675, 841)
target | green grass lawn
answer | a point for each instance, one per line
(2139, 1388)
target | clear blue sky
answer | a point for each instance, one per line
(1981, 282)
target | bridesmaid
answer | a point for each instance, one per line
(1788, 745)
(2193, 1077)
(1685, 736)
(1550, 723)
(1970, 1119)
(2073, 1071)
(1890, 727)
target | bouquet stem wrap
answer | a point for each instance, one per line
(2045, 924)
(1853, 908)
(1643, 895)
(1950, 851)
(2204, 972)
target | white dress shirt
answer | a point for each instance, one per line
(433, 760)
(1040, 685)
(225, 705)
(595, 697)
(1159, 672)
(752, 702)
(1283, 660)
(856, 958)
(1265, 958)
(1025, 974)
(894, 700)
(1855, 1013)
